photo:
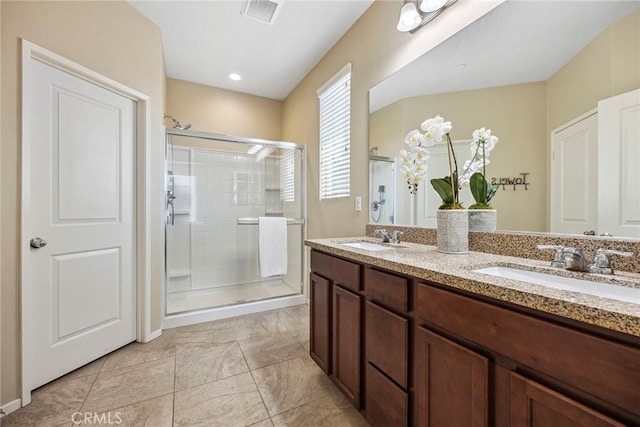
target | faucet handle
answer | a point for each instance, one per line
(602, 264)
(395, 236)
(558, 257)
(614, 252)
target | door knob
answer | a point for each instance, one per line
(37, 242)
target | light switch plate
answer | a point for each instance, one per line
(358, 204)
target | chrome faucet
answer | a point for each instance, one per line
(575, 260)
(394, 237)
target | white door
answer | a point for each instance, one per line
(79, 293)
(619, 165)
(574, 177)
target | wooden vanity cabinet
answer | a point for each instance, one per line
(551, 374)
(346, 343)
(534, 405)
(387, 346)
(451, 382)
(336, 318)
(320, 321)
(415, 353)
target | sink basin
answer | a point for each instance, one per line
(368, 246)
(604, 290)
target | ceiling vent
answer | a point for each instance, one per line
(262, 10)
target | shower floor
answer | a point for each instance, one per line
(227, 295)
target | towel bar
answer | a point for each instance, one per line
(254, 221)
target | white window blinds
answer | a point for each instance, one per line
(287, 176)
(335, 135)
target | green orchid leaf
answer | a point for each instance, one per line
(491, 191)
(443, 188)
(478, 185)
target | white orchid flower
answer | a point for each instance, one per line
(435, 129)
(483, 142)
(414, 138)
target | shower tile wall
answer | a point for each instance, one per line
(228, 186)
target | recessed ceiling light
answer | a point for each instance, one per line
(235, 76)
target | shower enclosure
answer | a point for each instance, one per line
(382, 190)
(217, 187)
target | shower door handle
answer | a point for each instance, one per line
(172, 215)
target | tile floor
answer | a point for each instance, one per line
(247, 371)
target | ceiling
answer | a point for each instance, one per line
(520, 41)
(205, 41)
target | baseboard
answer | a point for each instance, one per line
(190, 318)
(153, 335)
(10, 407)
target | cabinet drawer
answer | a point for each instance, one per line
(387, 404)
(387, 342)
(345, 273)
(605, 369)
(387, 289)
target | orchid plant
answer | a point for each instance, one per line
(436, 130)
(481, 146)
(415, 157)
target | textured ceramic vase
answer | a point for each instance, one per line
(483, 219)
(453, 231)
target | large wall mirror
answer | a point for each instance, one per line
(534, 72)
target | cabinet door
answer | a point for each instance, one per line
(534, 405)
(346, 343)
(320, 311)
(451, 384)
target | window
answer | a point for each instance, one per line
(287, 176)
(335, 135)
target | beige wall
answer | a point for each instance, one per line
(215, 110)
(517, 116)
(608, 66)
(376, 49)
(113, 39)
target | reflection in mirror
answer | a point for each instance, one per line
(382, 184)
(528, 70)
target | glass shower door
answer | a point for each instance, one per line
(216, 192)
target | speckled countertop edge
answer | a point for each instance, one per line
(425, 262)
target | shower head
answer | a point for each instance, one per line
(177, 124)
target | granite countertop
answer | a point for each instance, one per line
(425, 262)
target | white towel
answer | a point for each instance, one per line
(272, 245)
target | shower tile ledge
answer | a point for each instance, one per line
(425, 262)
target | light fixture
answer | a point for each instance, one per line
(235, 77)
(409, 17)
(432, 5)
(412, 19)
